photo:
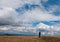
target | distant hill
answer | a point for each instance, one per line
(17, 35)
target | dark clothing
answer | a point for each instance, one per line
(39, 34)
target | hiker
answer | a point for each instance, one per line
(39, 34)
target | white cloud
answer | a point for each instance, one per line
(39, 15)
(17, 3)
(9, 3)
(42, 25)
(17, 29)
(56, 27)
(48, 30)
(8, 15)
(4, 28)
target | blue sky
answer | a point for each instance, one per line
(33, 14)
(46, 6)
(52, 3)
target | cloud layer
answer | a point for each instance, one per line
(28, 11)
(43, 28)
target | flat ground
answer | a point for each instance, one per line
(29, 39)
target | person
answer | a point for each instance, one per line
(39, 34)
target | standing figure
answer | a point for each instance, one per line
(39, 34)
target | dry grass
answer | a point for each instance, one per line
(28, 39)
(51, 39)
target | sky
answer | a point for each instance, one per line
(30, 16)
